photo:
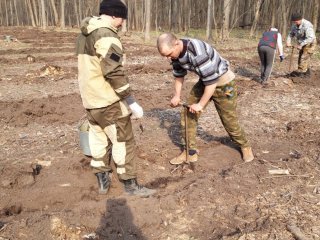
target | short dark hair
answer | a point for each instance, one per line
(296, 17)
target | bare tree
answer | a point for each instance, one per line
(226, 19)
(187, 15)
(246, 16)
(285, 13)
(17, 14)
(6, 9)
(62, 16)
(256, 17)
(76, 13)
(43, 15)
(209, 20)
(315, 16)
(148, 20)
(55, 13)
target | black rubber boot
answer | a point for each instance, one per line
(104, 182)
(307, 73)
(133, 188)
(296, 74)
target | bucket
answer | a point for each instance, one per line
(84, 138)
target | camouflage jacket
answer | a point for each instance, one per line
(304, 33)
(101, 76)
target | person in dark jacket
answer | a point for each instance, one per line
(270, 41)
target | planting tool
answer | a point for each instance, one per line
(291, 58)
(186, 140)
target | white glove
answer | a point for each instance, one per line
(136, 109)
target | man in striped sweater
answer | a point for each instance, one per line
(106, 96)
(216, 83)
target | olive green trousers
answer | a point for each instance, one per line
(225, 101)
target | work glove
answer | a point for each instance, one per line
(135, 108)
(281, 58)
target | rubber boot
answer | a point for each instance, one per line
(133, 188)
(297, 74)
(104, 182)
(247, 154)
(307, 73)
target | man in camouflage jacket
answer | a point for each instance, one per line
(106, 96)
(303, 31)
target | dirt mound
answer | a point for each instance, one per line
(44, 111)
(312, 80)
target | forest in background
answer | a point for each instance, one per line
(217, 17)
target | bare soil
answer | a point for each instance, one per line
(219, 197)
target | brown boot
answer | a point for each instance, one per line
(193, 158)
(179, 159)
(247, 154)
(183, 158)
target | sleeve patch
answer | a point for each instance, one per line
(115, 57)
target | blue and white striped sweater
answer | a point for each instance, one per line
(202, 59)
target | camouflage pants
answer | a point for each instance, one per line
(305, 56)
(225, 101)
(111, 137)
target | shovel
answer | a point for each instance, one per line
(291, 58)
(186, 110)
(186, 140)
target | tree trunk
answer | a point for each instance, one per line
(43, 15)
(246, 16)
(148, 20)
(216, 35)
(284, 10)
(143, 16)
(17, 14)
(80, 10)
(170, 15)
(209, 21)
(273, 13)
(135, 9)
(187, 15)
(226, 19)
(55, 13)
(76, 13)
(35, 12)
(11, 13)
(156, 18)
(315, 15)
(256, 17)
(31, 13)
(62, 16)
(175, 14)
(7, 15)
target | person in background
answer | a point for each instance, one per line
(304, 33)
(216, 83)
(269, 42)
(107, 98)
